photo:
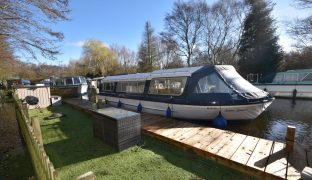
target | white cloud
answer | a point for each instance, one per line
(80, 43)
(76, 44)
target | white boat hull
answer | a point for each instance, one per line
(83, 91)
(303, 91)
(193, 112)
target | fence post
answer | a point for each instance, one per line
(37, 131)
(30, 129)
(25, 109)
(290, 138)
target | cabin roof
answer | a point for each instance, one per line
(128, 77)
(298, 71)
(177, 72)
(97, 78)
(297, 76)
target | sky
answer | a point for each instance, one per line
(122, 21)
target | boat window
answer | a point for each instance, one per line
(212, 84)
(239, 84)
(308, 77)
(130, 87)
(167, 86)
(108, 86)
(76, 80)
(83, 80)
(278, 78)
(69, 81)
(291, 77)
(59, 82)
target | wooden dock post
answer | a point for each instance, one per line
(37, 131)
(290, 138)
(94, 97)
(100, 104)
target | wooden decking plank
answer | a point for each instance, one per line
(146, 120)
(297, 160)
(210, 137)
(180, 133)
(218, 143)
(229, 148)
(174, 129)
(260, 155)
(152, 115)
(277, 163)
(292, 172)
(149, 116)
(168, 129)
(309, 158)
(189, 134)
(198, 136)
(157, 125)
(245, 150)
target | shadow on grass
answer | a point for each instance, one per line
(69, 139)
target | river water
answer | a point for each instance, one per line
(272, 123)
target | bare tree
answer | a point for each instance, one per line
(6, 59)
(305, 3)
(222, 31)
(184, 23)
(169, 51)
(302, 28)
(26, 25)
(6, 52)
(126, 57)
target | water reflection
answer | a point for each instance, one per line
(272, 123)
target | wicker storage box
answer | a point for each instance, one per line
(117, 127)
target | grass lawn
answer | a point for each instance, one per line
(73, 150)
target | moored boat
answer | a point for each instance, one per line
(75, 86)
(197, 93)
(291, 83)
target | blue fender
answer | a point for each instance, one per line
(219, 122)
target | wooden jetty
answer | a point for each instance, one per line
(251, 155)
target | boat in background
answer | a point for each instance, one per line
(197, 93)
(75, 86)
(289, 84)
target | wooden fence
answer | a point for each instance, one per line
(43, 167)
(41, 92)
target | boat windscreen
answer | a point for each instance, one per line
(239, 84)
(83, 80)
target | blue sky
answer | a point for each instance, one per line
(121, 22)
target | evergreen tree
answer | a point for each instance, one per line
(259, 51)
(148, 50)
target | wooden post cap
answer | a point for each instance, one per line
(290, 137)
